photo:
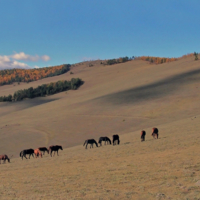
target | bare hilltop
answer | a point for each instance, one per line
(122, 99)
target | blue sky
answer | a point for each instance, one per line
(37, 33)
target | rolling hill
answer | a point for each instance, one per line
(121, 99)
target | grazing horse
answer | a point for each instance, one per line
(143, 133)
(155, 133)
(4, 158)
(37, 153)
(26, 151)
(54, 148)
(91, 142)
(106, 139)
(116, 138)
(43, 149)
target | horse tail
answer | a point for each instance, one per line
(118, 141)
(20, 155)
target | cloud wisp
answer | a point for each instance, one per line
(26, 57)
(12, 61)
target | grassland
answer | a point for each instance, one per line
(119, 99)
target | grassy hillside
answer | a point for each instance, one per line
(118, 99)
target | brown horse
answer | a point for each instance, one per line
(54, 148)
(143, 133)
(37, 153)
(155, 133)
(43, 149)
(4, 158)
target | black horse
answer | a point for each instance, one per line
(54, 148)
(27, 151)
(91, 142)
(43, 149)
(106, 139)
(116, 138)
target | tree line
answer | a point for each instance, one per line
(43, 90)
(119, 60)
(160, 60)
(9, 76)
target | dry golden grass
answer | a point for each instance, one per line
(120, 99)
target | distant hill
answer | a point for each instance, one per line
(9, 76)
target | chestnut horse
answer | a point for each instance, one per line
(4, 158)
(54, 148)
(37, 153)
(155, 133)
(106, 139)
(143, 133)
(91, 142)
(116, 138)
(43, 149)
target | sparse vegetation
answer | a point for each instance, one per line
(118, 60)
(157, 60)
(45, 89)
(160, 60)
(196, 56)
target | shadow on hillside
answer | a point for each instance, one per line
(152, 91)
(24, 104)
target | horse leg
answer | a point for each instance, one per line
(57, 153)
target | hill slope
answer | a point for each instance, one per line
(118, 99)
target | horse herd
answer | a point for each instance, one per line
(54, 148)
(31, 152)
(101, 139)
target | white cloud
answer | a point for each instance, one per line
(6, 63)
(26, 57)
(36, 67)
(23, 56)
(45, 58)
(11, 61)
